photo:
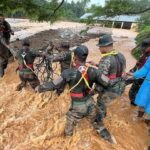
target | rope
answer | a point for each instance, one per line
(82, 78)
(110, 53)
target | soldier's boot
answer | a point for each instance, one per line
(20, 86)
(105, 134)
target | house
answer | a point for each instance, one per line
(121, 21)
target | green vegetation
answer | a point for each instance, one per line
(128, 7)
(52, 10)
(43, 10)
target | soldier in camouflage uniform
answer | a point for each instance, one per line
(5, 31)
(112, 64)
(26, 58)
(80, 78)
(136, 84)
(64, 57)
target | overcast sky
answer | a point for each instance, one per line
(98, 2)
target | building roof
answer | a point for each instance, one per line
(86, 15)
(121, 18)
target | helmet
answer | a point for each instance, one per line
(26, 42)
(81, 52)
(105, 40)
(65, 44)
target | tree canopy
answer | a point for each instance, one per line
(119, 7)
(43, 10)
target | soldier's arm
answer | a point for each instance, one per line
(56, 84)
(103, 80)
(59, 57)
(51, 86)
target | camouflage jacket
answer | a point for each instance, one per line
(72, 76)
(25, 59)
(113, 66)
(64, 58)
(5, 29)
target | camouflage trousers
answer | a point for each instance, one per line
(32, 79)
(78, 111)
(103, 100)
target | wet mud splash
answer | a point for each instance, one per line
(31, 121)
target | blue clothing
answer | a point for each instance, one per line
(143, 96)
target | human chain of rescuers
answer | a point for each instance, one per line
(108, 77)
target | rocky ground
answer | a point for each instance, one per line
(31, 121)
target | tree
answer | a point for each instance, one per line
(73, 11)
(35, 9)
(128, 7)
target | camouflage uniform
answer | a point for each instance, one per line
(65, 59)
(82, 103)
(5, 31)
(26, 59)
(113, 66)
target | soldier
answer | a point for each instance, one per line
(112, 64)
(64, 57)
(137, 83)
(5, 29)
(80, 79)
(26, 58)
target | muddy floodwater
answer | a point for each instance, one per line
(32, 121)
